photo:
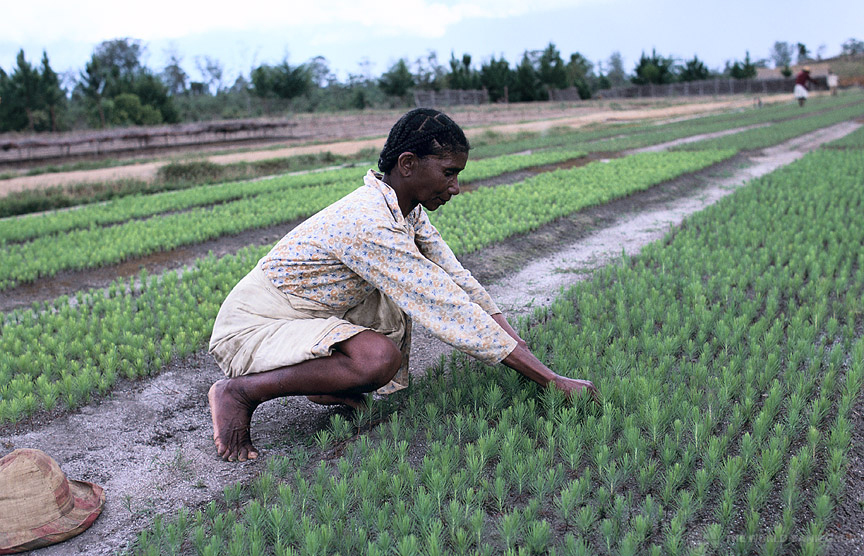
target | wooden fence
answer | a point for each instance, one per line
(28, 148)
(450, 97)
(710, 87)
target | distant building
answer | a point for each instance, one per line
(817, 69)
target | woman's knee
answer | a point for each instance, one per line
(375, 358)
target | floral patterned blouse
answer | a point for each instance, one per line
(362, 243)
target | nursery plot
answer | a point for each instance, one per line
(145, 446)
(777, 133)
(854, 140)
(630, 136)
(729, 367)
(19, 229)
(62, 354)
(94, 247)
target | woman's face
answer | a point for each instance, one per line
(437, 179)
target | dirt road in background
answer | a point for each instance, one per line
(359, 132)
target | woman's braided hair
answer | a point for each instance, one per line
(422, 131)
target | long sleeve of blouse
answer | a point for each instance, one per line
(434, 248)
(387, 257)
(362, 243)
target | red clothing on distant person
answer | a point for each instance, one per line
(802, 78)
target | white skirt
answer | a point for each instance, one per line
(800, 91)
(260, 328)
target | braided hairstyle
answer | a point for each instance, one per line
(422, 131)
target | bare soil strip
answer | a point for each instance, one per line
(149, 444)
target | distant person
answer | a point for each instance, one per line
(327, 312)
(802, 85)
(832, 82)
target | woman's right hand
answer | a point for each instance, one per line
(571, 386)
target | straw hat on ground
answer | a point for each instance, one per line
(38, 505)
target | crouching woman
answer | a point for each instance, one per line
(327, 313)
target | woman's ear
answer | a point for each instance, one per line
(406, 163)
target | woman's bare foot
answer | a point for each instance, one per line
(357, 401)
(231, 418)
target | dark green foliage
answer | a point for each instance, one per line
(497, 78)
(580, 74)
(118, 90)
(694, 70)
(852, 47)
(551, 69)
(781, 54)
(655, 69)
(397, 81)
(31, 97)
(526, 82)
(743, 70)
(282, 81)
(462, 75)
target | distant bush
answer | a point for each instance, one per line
(198, 171)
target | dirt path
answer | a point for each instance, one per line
(539, 121)
(149, 444)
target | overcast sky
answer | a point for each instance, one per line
(245, 34)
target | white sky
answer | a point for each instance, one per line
(242, 35)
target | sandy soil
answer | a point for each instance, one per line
(149, 443)
(477, 122)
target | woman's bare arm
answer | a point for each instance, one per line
(525, 363)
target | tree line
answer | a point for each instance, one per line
(116, 89)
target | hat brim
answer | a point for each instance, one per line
(89, 499)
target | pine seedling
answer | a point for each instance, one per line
(629, 545)
(840, 436)
(714, 535)
(487, 445)
(673, 541)
(731, 472)
(401, 522)
(433, 543)
(585, 519)
(819, 409)
(408, 546)
(538, 537)
(281, 525)
(702, 481)
(519, 475)
(477, 523)
(510, 528)
(673, 480)
(340, 427)
(609, 530)
(646, 475)
(255, 516)
(812, 543)
(668, 452)
(724, 509)
(237, 544)
(687, 506)
(775, 540)
(567, 500)
(813, 440)
(571, 449)
(232, 494)
(748, 447)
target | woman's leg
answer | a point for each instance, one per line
(360, 364)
